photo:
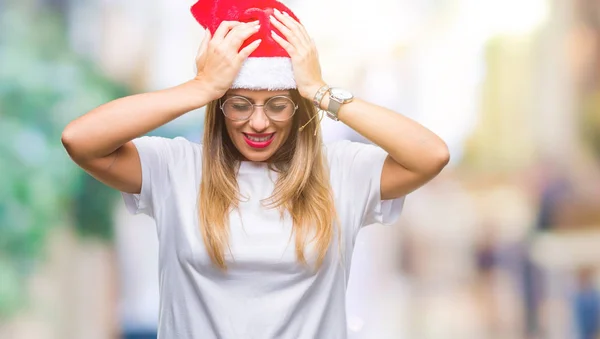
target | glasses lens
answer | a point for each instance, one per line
(237, 108)
(280, 108)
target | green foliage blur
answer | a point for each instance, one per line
(43, 86)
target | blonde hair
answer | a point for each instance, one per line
(302, 188)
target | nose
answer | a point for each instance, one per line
(259, 120)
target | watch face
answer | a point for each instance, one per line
(341, 94)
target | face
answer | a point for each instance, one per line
(258, 137)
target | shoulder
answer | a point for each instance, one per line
(333, 150)
(170, 151)
(182, 147)
(164, 145)
(344, 151)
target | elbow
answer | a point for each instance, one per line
(440, 158)
(444, 157)
(69, 141)
(66, 139)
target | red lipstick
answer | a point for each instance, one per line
(259, 140)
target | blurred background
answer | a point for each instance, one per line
(505, 243)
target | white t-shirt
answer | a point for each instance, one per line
(265, 292)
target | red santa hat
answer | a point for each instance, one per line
(269, 67)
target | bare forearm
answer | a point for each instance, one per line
(410, 144)
(106, 128)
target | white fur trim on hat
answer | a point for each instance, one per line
(266, 73)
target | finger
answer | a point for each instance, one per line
(246, 51)
(314, 45)
(223, 29)
(242, 27)
(289, 48)
(236, 37)
(204, 44)
(293, 25)
(287, 33)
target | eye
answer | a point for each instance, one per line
(276, 108)
(238, 104)
(279, 105)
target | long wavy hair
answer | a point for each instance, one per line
(302, 188)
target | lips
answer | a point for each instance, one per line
(259, 140)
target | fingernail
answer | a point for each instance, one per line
(286, 14)
(257, 27)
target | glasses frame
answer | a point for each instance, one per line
(222, 105)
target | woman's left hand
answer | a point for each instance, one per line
(302, 50)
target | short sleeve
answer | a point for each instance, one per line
(155, 157)
(356, 170)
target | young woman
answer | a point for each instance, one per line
(256, 225)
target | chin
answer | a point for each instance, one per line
(257, 157)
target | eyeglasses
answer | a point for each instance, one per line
(279, 108)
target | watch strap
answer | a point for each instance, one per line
(333, 108)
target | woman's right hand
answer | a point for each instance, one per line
(219, 58)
